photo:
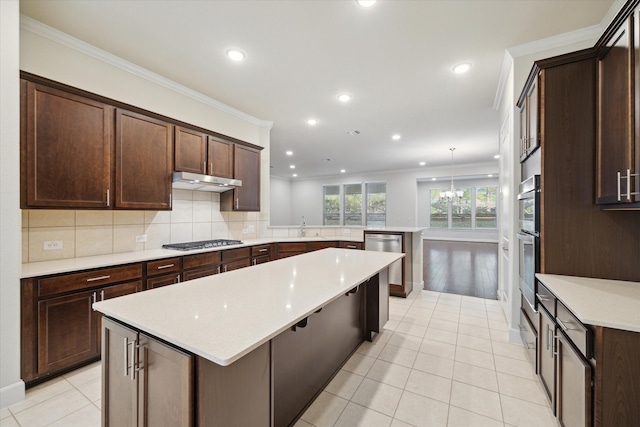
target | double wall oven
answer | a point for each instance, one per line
(529, 237)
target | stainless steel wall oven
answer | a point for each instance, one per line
(529, 237)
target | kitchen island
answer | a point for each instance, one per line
(250, 347)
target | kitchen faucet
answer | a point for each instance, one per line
(302, 225)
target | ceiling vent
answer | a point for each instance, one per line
(354, 132)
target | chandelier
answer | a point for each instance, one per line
(452, 194)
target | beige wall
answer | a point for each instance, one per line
(195, 215)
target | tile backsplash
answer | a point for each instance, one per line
(195, 216)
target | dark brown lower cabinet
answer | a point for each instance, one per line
(145, 382)
(164, 280)
(546, 363)
(574, 385)
(305, 356)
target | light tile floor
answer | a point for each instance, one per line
(443, 360)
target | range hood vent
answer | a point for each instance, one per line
(199, 182)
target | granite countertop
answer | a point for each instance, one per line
(44, 268)
(598, 302)
(394, 229)
(225, 316)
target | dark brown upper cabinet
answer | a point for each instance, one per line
(143, 162)
(66, 149)
(529, 117)
(618, 124)
(198, 152)
(246, 167)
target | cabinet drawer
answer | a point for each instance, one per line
(200, 272)
(292, 247)
(201, 260)
(546, 298)
(577, 332)
(529, 338)
(234, 254)
(163, 266)
(261, 250)
(87, 279)
(351, 245)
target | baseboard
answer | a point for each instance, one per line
(514, 336)
(11, 394)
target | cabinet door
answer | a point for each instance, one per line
(546, 365)
(166, 385)
(119, 385)
(220, 155)
(190, 151)
(533, 137)
(164, 280)
(574, 386)
(143, 162)
(523, 130)
(616, 136)
(67, 332)
(63, 135)
(235, 265)
(246, 168)
(114, 292)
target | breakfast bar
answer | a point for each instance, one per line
(251, 347)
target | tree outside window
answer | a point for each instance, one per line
(376, 203)
(439, 217)
(331, 214)
(486, 207)
(461, 210)
(353, 204)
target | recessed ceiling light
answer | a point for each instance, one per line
(292, 166)
(366, 3)
(344, 97)
(395, 137)
(295, 175)
(235, 54)
(289, 153)
(490, 175)
(497, 156)
(433, 179)
(462, 68)
(422, 163)
(342, 171)
(312, 122)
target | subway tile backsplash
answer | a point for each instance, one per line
(195, 216)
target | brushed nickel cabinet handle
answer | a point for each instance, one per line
(162, 267)
(93, 279)
(108, 197)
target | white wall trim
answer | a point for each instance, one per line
(11, 394)
(37, 27)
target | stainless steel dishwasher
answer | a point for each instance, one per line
(387, 243)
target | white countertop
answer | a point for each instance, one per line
(395, 229)
(225, 316)
(599, 302)
(45, 268)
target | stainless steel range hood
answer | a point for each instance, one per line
(198, 182)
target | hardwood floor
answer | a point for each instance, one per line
(463, 268)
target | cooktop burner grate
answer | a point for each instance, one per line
(202, 244)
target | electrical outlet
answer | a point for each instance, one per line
(252, 229)
(141, 238)
(245, 231)
(50, 245)
(346, 231)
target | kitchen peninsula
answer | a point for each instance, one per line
(268, 337)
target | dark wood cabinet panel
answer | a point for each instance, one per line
(351, 245)
(164, 266)
(66, 149)
(220, 157)
(314, 246)
(529, 124)
(235, 265)
(67, 333)
(190, 150)
(49, 286)
(200, 272)
(143, 162)
(164, 280)
(246, 167)
(201, 260)
(145, 382)
(617, 140)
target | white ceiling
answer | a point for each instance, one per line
(395, 58)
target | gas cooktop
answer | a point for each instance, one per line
(202, 244)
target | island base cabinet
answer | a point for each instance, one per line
(306, 356)
(145, 382)
(236, 395)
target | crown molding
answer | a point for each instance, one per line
(37, 27)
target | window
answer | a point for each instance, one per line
(356, 205)
(376, 203)
(331, 214)
(486, 207)
(353, 204)
(476, 210)
(461, 210)
(439, 217)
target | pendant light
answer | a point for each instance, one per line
(453, 194)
